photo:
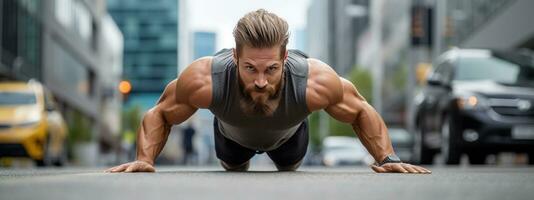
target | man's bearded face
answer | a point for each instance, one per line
(260, 75)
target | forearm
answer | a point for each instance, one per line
(372, 132)
(152, 136)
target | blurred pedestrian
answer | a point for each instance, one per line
(187, 145)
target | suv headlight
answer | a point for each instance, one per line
(472, 102)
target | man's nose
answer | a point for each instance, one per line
(260, 82)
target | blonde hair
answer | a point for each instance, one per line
(261, 29)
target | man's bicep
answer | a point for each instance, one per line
(349, 107)
(173, 110)
(193, 86)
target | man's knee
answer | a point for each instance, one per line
(292, 167)
(236, 168)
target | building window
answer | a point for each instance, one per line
(20, 38)
(70, 74)
(75, 16)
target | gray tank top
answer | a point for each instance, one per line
(259, 133)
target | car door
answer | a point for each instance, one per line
(437, 96)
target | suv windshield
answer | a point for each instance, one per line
(495, 69)
(16, 98)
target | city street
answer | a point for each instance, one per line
(335, 85)
(262, 183)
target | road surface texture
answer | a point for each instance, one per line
(262, 183)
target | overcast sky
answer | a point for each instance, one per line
(221, 16)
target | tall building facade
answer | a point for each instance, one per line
(333, 34)
(150, 30)
(75, 49)
(495, 24)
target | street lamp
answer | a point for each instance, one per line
(125, 87)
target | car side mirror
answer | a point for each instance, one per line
(434, 80)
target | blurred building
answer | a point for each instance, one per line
(383, 49)
(204, 44)
(333, 33)
(150, 31)
(496, 24)
(301, 39)
(75, 49)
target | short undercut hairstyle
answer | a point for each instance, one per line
(261, 29)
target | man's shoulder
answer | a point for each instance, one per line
(324, 86)
(194, 83)
(198, 70)
(321, 72)
(202, 65)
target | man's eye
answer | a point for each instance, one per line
(271, 69)
(250, 68)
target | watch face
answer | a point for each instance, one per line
(393, 158)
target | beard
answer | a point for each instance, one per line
(265, 103)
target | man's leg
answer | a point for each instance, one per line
(288, 157)
(233, 156)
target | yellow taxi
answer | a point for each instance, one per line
(30, 124)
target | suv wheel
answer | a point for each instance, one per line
(477, 158)
(531, 158)
(62, 158)
(449, 143)
(422, 154)
(47, 160)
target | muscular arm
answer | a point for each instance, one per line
(365, 121)
(180, 99)
(157, 123)
(326, 90)
(339, 98)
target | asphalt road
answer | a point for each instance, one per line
(261, 183)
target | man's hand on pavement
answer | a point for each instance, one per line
(400, 168)
(135, 166)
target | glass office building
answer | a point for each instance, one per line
(150, 30)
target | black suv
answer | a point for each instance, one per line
(476, 102)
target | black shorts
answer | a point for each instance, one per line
(289, 153)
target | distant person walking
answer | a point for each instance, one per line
(187, 145)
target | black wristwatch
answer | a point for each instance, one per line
(391, 158)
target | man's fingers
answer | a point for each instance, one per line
(119, 168)
(398, 168)
(424, 170)
(409, 168)
(131, 168)
(112, 168)
(378, 169)
(109, 169)
(419, 169)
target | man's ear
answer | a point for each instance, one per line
(285, 55)
(234, 52)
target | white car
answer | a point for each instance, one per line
(342, 150)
